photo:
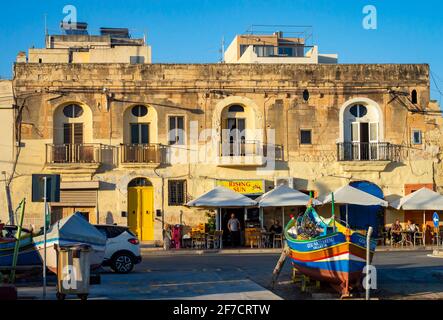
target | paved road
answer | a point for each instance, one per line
(247, 276)
(409, 275)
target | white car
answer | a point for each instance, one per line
(122, 248)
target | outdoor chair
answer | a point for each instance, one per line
(218, 239)
(210, 241)
(278, 241)
(255, 239)
(198, 241)
(214, 240)
(265, 239)
(392, 240)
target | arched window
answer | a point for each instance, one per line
(358, 110)
(414, 96)
(236, 108)
(139, 111)
(73, 111)
(139, 182)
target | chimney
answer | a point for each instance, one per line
(21, 57)
(279, 34)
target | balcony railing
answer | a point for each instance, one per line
(368, 151)
(74, 153)
(143, 153)
(251, 148)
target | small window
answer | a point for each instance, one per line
(73, 111)
(176, 192)
(416, 137)
(358, 110)
(306, 95)
(139, 182)
(414, 99)
(286, 51)
(305, 136)
(136, 60)
(236, 108)
(139, 111)
(176, 130)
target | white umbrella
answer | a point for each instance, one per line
(283, 196)
(221, 197)
(423, 199)
(350, 195)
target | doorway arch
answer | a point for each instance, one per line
(141, 208)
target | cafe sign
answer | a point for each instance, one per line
(253, 187)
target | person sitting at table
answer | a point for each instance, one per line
(396, 230)
(411, 228)
(276, 228)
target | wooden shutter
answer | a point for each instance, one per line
(78, 133)
(77, 198)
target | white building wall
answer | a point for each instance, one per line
(6, 143)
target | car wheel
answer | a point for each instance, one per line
(122, 263)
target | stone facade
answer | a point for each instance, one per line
(7, 145)
(283, 99)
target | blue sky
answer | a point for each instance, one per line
(191, 30)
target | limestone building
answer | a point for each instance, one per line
(7, 147)
(134, 142)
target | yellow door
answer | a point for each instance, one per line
(133, 210)
(141, 212)
(147, 195)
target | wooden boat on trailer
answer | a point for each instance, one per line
(337, 256)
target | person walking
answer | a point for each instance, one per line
(234, 230)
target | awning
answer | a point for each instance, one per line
(221, 197)
(283, 196)
(423, 199)
(351, 195)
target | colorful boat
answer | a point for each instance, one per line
(337, 255)
(27, 255)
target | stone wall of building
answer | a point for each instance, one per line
(275, 94)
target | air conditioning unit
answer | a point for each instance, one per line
(286, 181)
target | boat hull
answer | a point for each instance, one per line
(96, 257)
(27, 255)
(335, 258)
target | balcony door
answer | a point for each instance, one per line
(139, 133)
(237, 136)
(140, 150)
(73, 149)
(364, 137)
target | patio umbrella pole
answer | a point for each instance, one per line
(347, 225)
(283, 216)
(424, 228)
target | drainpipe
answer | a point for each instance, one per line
(8, 199)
